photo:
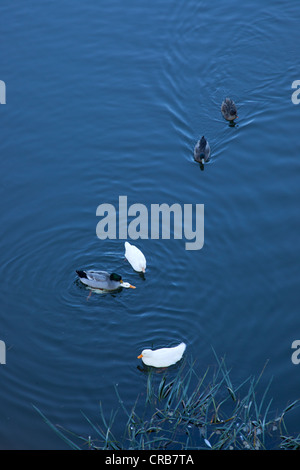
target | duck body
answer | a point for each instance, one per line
(229, 110)
(202, 151)
(102, 280)
(163, 357)
(135, 257)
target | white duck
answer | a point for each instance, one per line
(163, 357)
(135, 257)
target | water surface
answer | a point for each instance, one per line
(105, 100)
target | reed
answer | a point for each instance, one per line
(183, 411)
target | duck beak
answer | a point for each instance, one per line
(140, 356)
(121, 282)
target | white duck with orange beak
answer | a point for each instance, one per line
(135, 257)
(163, 357)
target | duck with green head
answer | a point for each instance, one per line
(102, 280)
(202, 152)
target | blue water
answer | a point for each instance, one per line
(107, 99)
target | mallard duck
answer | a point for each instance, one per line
(135, 257)
(202, 151)
(102, 280)
(229, 110)
(163, 357)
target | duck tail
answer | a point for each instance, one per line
(81, 274)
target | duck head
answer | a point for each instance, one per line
(233, 115)
(115, 277)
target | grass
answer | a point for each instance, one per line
(183, 411)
